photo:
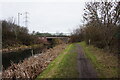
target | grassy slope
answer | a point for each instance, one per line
(64, 66)
(105, 63)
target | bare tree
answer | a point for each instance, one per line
(102, 19)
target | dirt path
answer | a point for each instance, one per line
(85, 67)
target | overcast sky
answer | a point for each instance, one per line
(45, 15)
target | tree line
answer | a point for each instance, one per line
(14, 35)
(101, 26)
(50, 35)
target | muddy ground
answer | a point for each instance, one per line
(85, 67)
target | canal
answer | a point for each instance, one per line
(19, 56)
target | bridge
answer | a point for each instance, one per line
(56, 37)
(50, 38)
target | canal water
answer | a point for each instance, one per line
(16, 57)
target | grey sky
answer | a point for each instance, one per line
(46, 16)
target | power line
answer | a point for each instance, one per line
(26, 19)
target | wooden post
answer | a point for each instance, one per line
(89, 41)
(32, 52)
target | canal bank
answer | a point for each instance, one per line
(34, 65)
(16, 55)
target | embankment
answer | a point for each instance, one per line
(34, 65)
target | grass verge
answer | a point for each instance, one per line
(64, 66)
(105, 63)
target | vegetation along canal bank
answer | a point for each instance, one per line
(34, 65)
(17, 56)
(63, 61)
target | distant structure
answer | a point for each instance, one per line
(49, 39)
(19, 18)
(26, 19)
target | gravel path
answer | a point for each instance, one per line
(85, 68)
